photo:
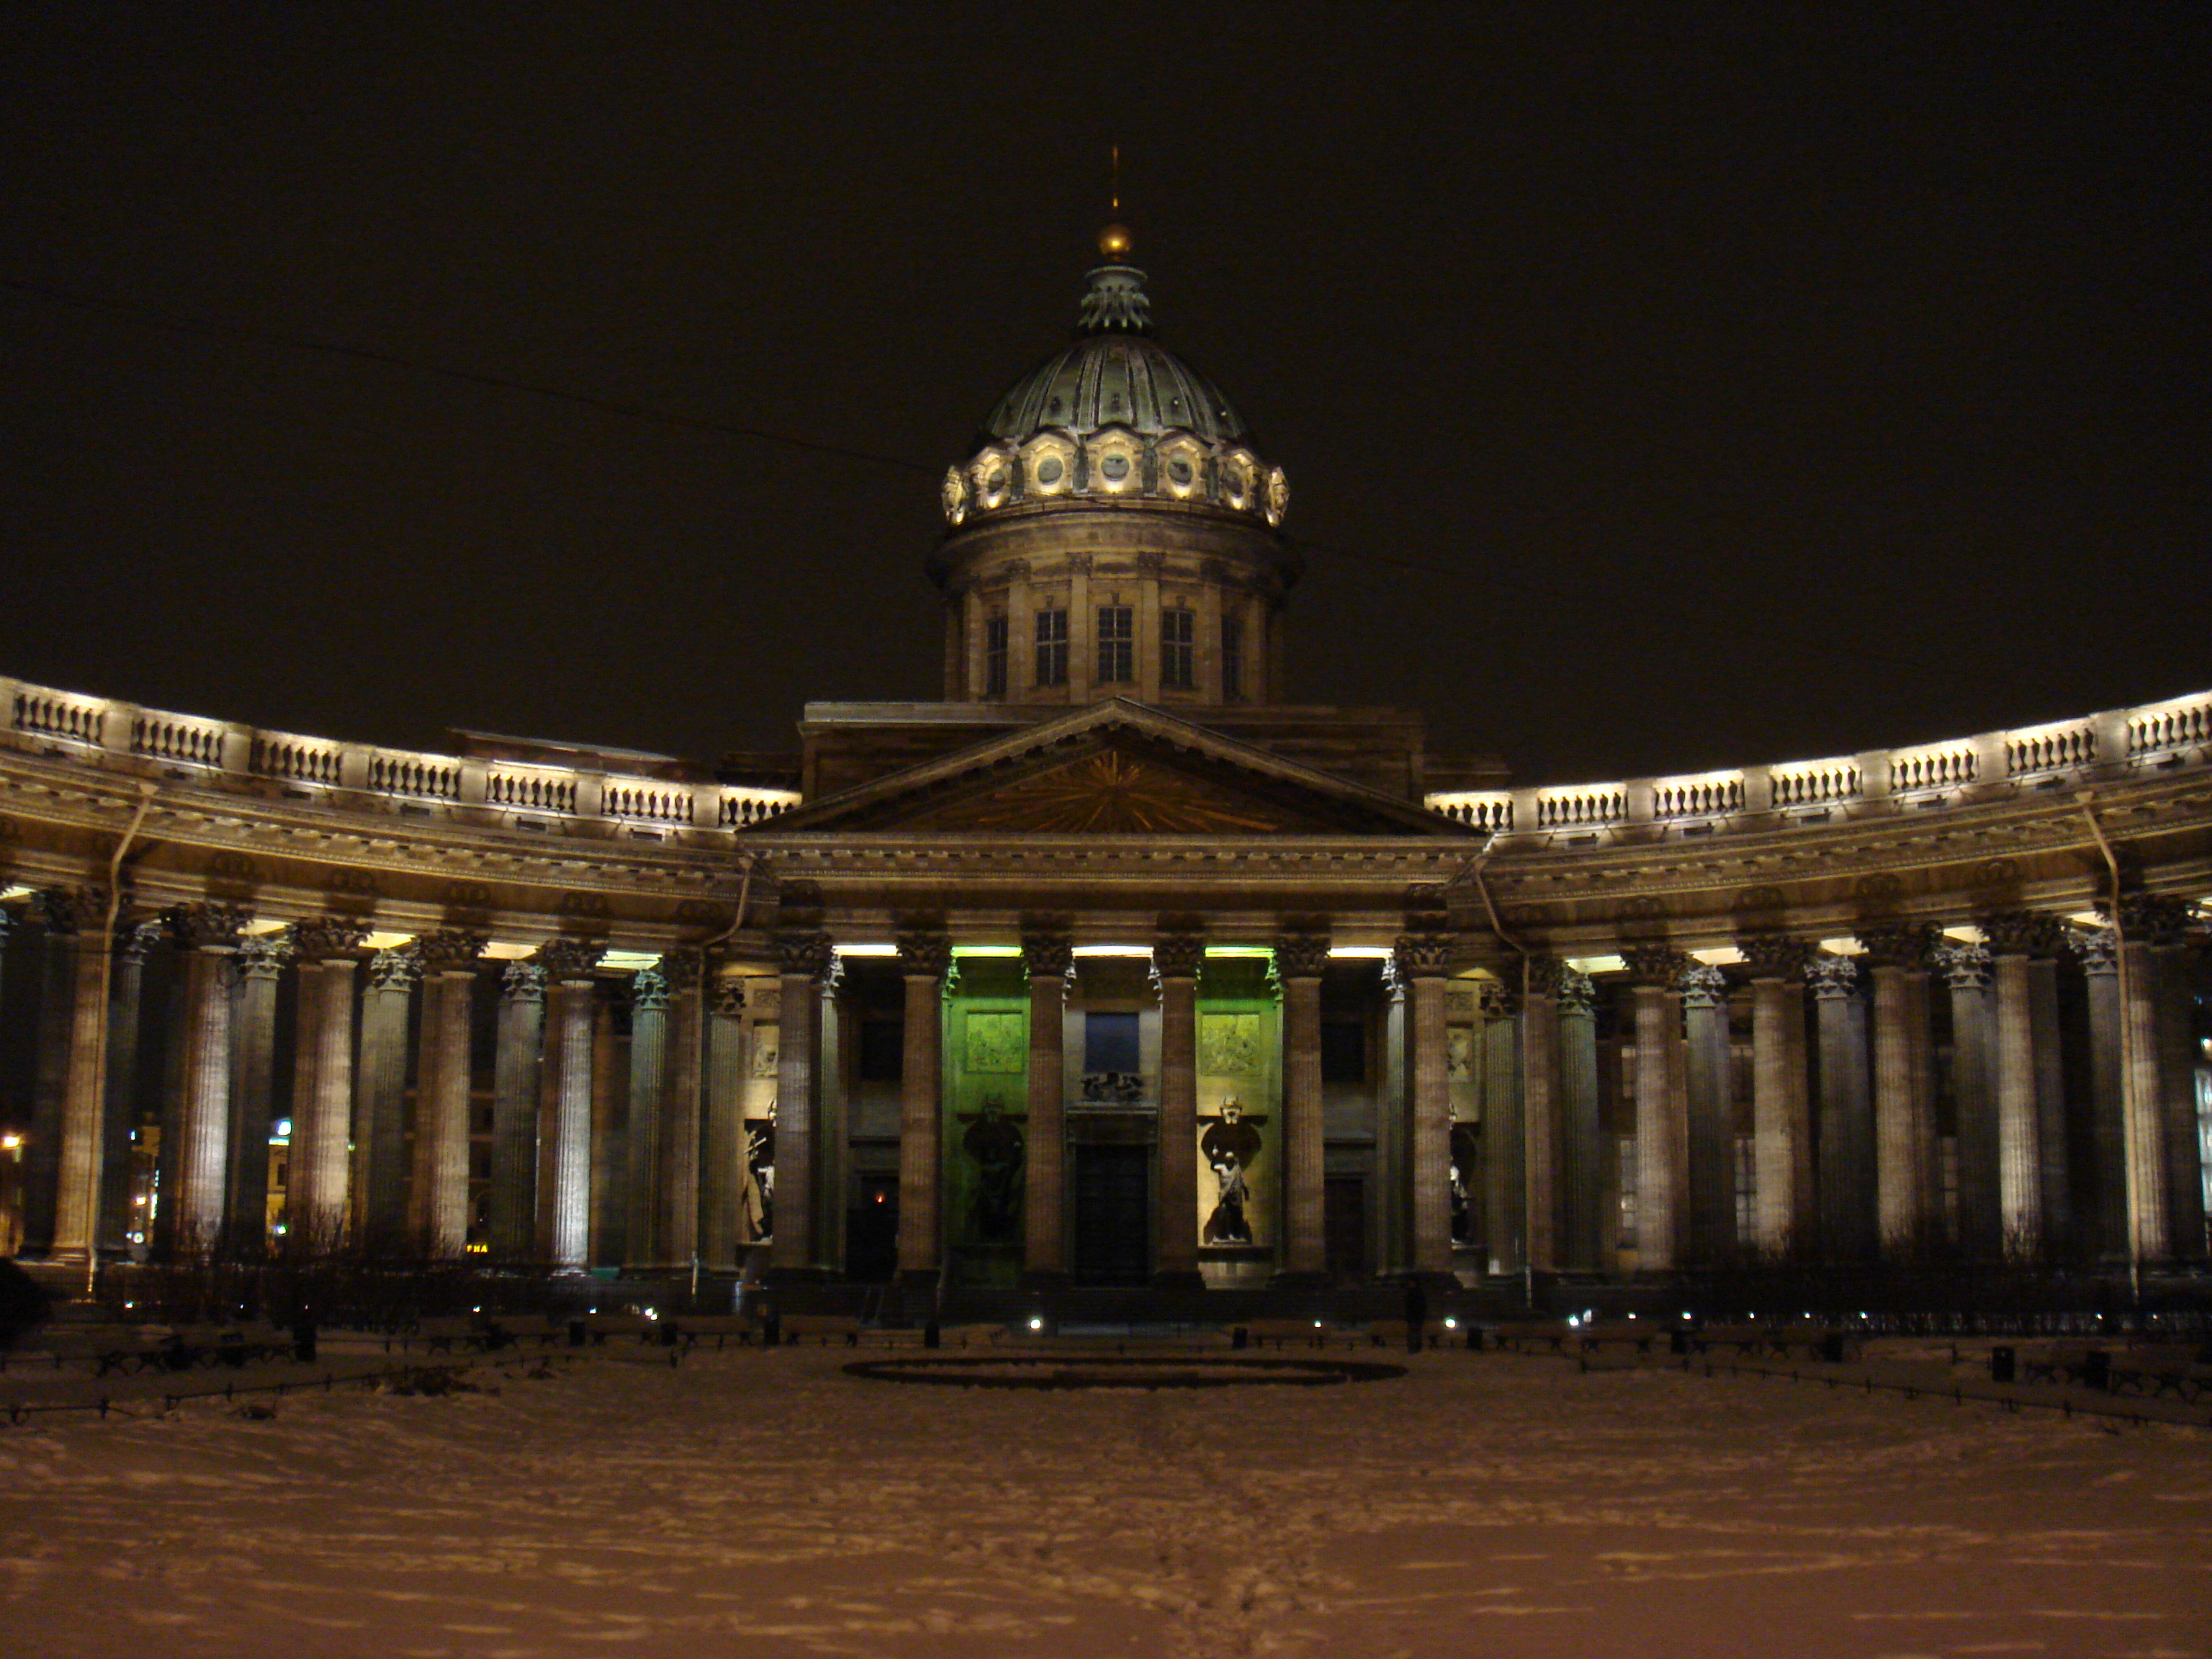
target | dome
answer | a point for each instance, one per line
(1114, 417)
(1114, 373)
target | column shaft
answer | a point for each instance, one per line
(1044, 1198)
(515, 1066)
(570, 1009)
(1659, 1133)
(1781, 1138)
(322, 1116)
(680, 1138)
(260, 966)
(1545, 1133)
(1585, 1157)
(1304, 1244)
(648, 1084)
(387, 1209)
(1505, 1199)
(82, 1131)
(2149, 1200)
(1177, 1261)
(1900, 1123)
(204, 1154)
(2019, 1128)
(722, 1182)
(1429, 1123)
(805, 959)
(1712, 1114)
(921, 1116)
(1973, 1086)
(442, 1112)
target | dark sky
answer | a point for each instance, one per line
(1739, 384)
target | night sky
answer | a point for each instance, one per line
(1660, 385)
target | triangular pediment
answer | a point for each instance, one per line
(1114, 768)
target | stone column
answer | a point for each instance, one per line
(1661, 1136)
(1847, 1230)
(514, 1114)
(66, 1134)
(680, 1121)
(1905, 1135)
(1785, 1202)
(1503, 1201)
(1968, 969)
(2143, 1142)
(1390, 1186)
(833, 1141)
(2014, 938)
(648, 1082)
(1544, 1133)
(257, 969)
(1048, 958)
(381, 1218)
(1300, 959)
(322, 1094)
(1176, 958)
(923, 956)
(439, 1199)
(209, 935)
(570, 994)
(119, 1117)
(2162, 924)
(1583, 1140)
(2103, 1209)
(803, 959)
(1712, 1233)
(722, 1184)
(1424, 960)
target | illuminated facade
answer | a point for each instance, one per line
(1114, 966)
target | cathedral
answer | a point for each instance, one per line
(1116, 966)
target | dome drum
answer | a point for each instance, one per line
(1115, 463)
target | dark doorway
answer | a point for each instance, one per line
(1113, 1220)
(872, 1231)
(1344, 1224)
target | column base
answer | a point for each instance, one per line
(918, 1279)
(1180, 1278)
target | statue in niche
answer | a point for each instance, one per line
(992, 1140)
(764, 1053)
(756, 1202)
(1459, 1055)
(1230, 1144)
(1463, 1154)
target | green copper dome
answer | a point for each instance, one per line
(1114, 375)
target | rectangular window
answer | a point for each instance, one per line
(1052, 647)
(1232, 659)
(1176, 672)
(1117, 644)
(1111, 1063)
(994, 656)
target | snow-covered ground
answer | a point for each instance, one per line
(750, 1504)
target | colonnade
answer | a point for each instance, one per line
(2067, 1124)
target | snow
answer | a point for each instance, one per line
(754, 1504)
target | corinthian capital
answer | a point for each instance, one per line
(1048, 956)
(649, 990)
(2023, 934)
(1774, 955)
(261, 957)
(804, 953)
(1703, 985)
(1906, 944)
(1178, 955)
(1966, 967)
(1658, 966)
(2155, 918)
(567, 960)
(68, 911)
(1832, 976)
(449, 950)
(208, 925)
(523, 981)
(1301, 956)
(327, 938)
(923, 953)
(399, 969)
(1423, 955)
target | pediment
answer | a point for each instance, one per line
(1115, 770)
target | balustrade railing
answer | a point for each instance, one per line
(2162, 735)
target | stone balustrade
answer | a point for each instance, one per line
(1920, 778)
(216, 755)
(1923, 777)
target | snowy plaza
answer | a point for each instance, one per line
(770, 1503)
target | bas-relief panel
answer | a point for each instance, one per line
(766, 1049)
(997, 1043)
(1459, 1055)
(1229, 1044)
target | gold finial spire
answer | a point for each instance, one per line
(1115, 241)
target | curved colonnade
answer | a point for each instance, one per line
(572, 1015)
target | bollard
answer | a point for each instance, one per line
(931, 1335)
(1239, 1337)
(303, 1340)
(2097, 1371)
(578, 1333)
(2003, 1365)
